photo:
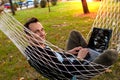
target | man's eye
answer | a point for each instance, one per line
(36, 31)
(42, 29)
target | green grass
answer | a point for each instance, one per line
(63, 18)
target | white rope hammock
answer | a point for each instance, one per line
(108, 17)
(46, 62)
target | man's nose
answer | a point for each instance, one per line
(41, 33)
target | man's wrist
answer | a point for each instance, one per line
(79, 58)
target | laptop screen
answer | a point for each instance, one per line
(99, 39)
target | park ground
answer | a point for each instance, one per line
(63, 18)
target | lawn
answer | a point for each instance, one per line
(63, 18)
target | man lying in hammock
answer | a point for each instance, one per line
(72, 62)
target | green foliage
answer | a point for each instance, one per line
(43, 3)
(36, 3)
(63, 18)
(15, 6)
(53, 2)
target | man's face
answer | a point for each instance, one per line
(38, 29)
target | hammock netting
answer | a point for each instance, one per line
(46, 62)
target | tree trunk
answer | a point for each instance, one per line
(85, 7)
(12, 8)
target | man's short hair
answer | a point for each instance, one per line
(26, 25)
(31, 20)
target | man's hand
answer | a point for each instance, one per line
(75, 50)
(82, 53)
